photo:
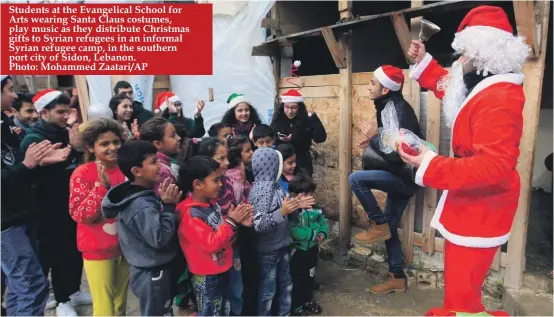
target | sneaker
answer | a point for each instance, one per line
(51, 304)
(81, 298)
(65, 309)
(374, 233)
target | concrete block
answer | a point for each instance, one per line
(358, 256)
(426, 280)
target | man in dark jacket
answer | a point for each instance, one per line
(385, 87)
(142, 115)
(28, 286)
(56, 231)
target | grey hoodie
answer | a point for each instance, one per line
(146, 228)
(266, 196)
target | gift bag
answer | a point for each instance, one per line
(391, 136)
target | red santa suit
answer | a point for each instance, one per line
(481, 184)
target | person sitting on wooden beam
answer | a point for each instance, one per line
(385, 172)
(483, 99)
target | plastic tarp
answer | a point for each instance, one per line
(236, 29)
(101, 88)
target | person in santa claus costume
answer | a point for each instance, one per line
(483, 99)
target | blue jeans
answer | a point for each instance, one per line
(27, 285)
(210, 293)
(275, 270)
(234, 277)
(398, 192)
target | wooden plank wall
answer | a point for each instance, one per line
(321, 94)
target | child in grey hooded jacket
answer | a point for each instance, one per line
(271, 208)
(146, 226)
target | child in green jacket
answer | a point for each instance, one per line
(308, 228)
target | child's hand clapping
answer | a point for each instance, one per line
(240, 214)
(289, 205)
(169, 192)
(305, 201)
(249, 221)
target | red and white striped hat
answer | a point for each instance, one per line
(292, 96)
(44, 97)
(161, 103)
(390, 77)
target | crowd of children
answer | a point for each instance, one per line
(225, 225)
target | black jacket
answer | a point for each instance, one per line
(18, 203)
(407, 119)
(52, 182)
(302, 135)
(142, 115)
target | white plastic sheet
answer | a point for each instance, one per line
(143, 88)
(234, 67)
(99, 90)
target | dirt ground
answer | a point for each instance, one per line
(344, 292)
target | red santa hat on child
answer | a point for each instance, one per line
(390, 77)
(292, 95)
(163, 99)
(44, 97)
(486, 36)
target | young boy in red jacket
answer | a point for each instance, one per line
(205, 235)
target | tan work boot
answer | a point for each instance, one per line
(374, 233)
(391, 285)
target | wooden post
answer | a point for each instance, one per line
(82, 87)
(345, 138)
(532, 87)
(430, 198)
(414, 92)
(276, 58)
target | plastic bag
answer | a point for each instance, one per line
(392, 136)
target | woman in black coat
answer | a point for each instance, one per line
(293, 124)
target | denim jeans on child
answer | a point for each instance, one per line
(26, 283)
(210, 293)
(275, 272)
(398, 192)
(234, 290)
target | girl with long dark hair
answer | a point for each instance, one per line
(241, 116)
(293, 124)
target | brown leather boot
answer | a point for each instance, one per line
(391, 285)
(374, 233)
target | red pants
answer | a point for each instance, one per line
(465, 270)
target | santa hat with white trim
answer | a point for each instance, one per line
(292, 95)
(163, 99)
(235, 98)
(486, 37)
(390, 77)
(44, 97)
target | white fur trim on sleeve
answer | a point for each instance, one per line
(46, 99)
(386, 81)
(427, 157)
(287, 99)
(418, 68)
(237, 100)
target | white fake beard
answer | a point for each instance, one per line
(455, 92)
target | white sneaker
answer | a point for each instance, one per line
(51, 304)
(65, 309)
(81, 298)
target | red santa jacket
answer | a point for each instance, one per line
(206, 239)
(481, 186)
(96, 237)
